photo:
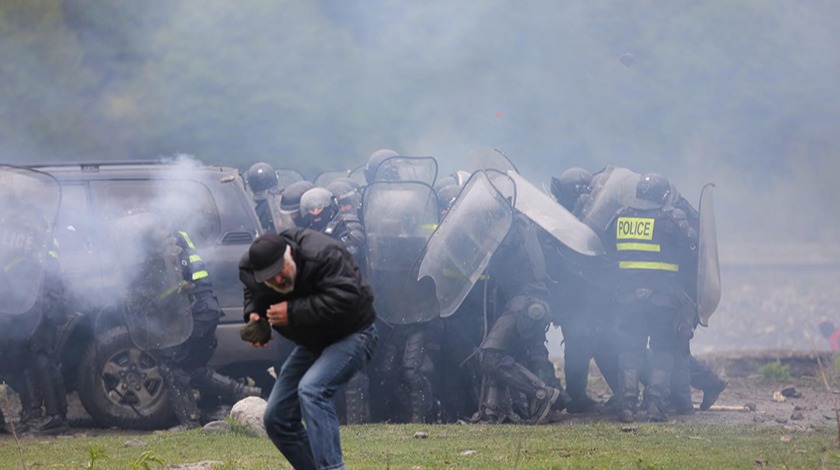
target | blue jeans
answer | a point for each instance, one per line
(302, 394)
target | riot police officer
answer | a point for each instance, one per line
(375, 160)
(346, 195)
(184, 366)
(290, 202)
(650, 240)
(583, 309)
(513, 356)
(262, 180)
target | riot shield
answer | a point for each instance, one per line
(615, 188)
(358, 175)
(422, 169)
(326, 177)
(29, 202)
(544, 211)
(708, 266)
(488, 158)
(287, 176)
(460, 249)
(155, 300)
(399, 217)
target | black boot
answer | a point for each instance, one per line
(711, 393)
(30, 402)
(626, 410)
(582, 404)
(629, 387)
(228, 389)
(181, 399)
(657, 390)
(679, 400)
(52, 425)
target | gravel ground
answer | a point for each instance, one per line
(767, 307)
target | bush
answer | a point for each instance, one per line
(775, 371)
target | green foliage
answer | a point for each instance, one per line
(147, 461)
(95, 454)
(775, 370)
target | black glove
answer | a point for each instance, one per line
(256, 331)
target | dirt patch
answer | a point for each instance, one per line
(751, 398)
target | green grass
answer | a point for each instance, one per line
(602, 445)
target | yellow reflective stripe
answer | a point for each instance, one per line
(638, 247)
(194, 258)
(172, 290)
(648, 265)
(187, 239)
(429, 227)
(53, 253)
(199, 275)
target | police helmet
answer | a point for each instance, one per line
(290, 199)
(448, 180)
(355, 184)
(344, 193)
(317, 207)
(376, 159)
(261, 177)
(447, 195)
(567, 188)
(652, 191)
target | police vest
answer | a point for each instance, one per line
(644, 243)
(193, 265)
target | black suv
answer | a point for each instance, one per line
(119, 384)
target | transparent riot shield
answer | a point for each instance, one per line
(287, 176)
(460, 249)
(614, 188)
(488, 158)
(358, 175)
(399, 217)
(29, 202)
(544, 211)
(422, 169)
(155, 293)
(326, 177)
(708, 265)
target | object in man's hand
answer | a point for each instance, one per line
(256, 331)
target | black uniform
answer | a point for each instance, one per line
(514, 358)
(32, 362)
(184, 367)
(651, 245)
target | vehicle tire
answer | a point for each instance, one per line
(120, 385)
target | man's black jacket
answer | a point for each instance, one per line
(330, 299)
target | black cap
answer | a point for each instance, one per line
(267, 256)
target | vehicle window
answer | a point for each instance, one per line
(182, 204)
(73, 226)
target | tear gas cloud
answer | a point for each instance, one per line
(738, 93)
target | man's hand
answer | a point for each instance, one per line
(278, 314)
